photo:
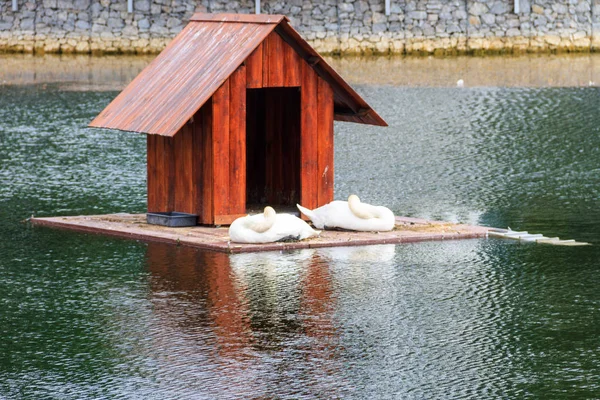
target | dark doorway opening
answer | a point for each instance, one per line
(272, 147)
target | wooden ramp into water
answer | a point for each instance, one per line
(134, 226)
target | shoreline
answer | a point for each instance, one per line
(113, 73)
(376, 45)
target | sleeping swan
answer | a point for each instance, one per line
(351, 215)
(269, 227)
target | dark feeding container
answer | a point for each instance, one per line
(238, 111)
(172, 219)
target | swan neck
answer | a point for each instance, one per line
(361, 210)
(263, 224)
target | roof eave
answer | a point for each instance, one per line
(353, 107)
(356, 103)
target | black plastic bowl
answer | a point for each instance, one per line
(172, 219)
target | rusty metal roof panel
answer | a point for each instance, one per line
(195, 64)
(183, 77)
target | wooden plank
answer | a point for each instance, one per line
(188, 162)
(273, 57)
(132, 226)
(325, 142)
(227, 219)
(291, 165)
(254, 68)
(309, 138)
(237, 142)
(162, 197)
(169, 157)
(292, 65)
(151, 180)
(179, 178)
(198, 185)
(183, 147)
(158, 161)
(207, 216)
(220, 146)
(265, 61)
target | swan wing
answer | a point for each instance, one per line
(239, 233)
(323, 215)
(369, 219)
(288, 225)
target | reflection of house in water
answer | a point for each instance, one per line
(297, 322)
(198, 291)
(253, 316)
(295, 289)
(271, 293)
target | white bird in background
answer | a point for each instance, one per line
(351, 215)
(269, 227)
(460, 83)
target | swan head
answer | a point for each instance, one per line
(269, 212)
(353, 199)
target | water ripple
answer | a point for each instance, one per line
(92, 317)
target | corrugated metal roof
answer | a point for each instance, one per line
(195, 64)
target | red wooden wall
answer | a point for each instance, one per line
(275, 64)
(180, 168)
(202, 169)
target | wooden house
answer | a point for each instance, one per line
(238, 111)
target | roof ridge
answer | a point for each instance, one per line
(247, 18)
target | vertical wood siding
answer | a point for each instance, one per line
(325, 142)
(254, 68)
(206, 161)
(179, 170)
(309, 144)
(220, 150)
(266, 135)
(237, 142)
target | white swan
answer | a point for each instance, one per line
(351, 215)
(269, 227)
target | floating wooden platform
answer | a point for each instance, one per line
(134, 226)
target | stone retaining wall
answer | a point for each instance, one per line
(346, 27)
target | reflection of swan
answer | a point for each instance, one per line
(371, 254)
(351, 215)
(269, 227)
(271, 280)
(246, 263)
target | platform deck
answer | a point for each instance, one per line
(134, 226)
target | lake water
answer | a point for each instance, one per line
(87, 316)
